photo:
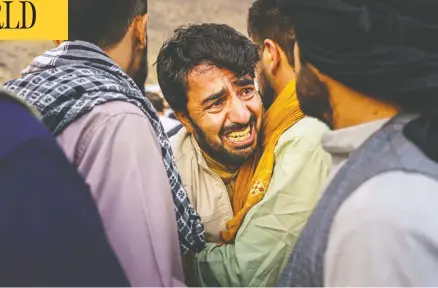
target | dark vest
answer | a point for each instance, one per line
(386, 150)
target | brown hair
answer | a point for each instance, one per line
(266, 22)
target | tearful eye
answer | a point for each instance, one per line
(247, 92)
(216, 104)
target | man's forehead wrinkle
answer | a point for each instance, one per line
(209, 79)
(243, 80)
(207, 68)
(233, 77)
(204, 85)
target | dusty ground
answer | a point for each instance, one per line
(165, 16)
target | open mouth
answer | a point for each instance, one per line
(241, 138)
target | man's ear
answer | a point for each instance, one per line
(140, 30)
(273, 53)
(297, 59)
(185, 121)
(57, 42)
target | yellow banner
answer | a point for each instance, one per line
(33, 19)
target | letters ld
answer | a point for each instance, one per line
(6, 8)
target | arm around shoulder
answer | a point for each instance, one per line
(271, 228)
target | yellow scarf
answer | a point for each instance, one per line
(255, 175)
(226, 174)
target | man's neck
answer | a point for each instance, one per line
(351, 108)
(222, 170)
(118, 53)
(282, 79)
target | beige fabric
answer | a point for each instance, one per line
(213, 205)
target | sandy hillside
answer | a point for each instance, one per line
(165, 16)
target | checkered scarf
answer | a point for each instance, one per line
(69, 81)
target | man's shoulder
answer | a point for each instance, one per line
(105, 113)
(390, 218)
(7, 95)
(115, 108)
(393, 200)
(306, 132)
(105, 123)
(307, 128)
(25, 125)
(182, 146)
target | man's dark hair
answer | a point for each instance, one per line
(266, 22)
(156, 101)
(102, 22)
(215, 44)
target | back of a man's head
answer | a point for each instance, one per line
(266, 22)
(381, 49)
(102, 22)
(215, 44)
